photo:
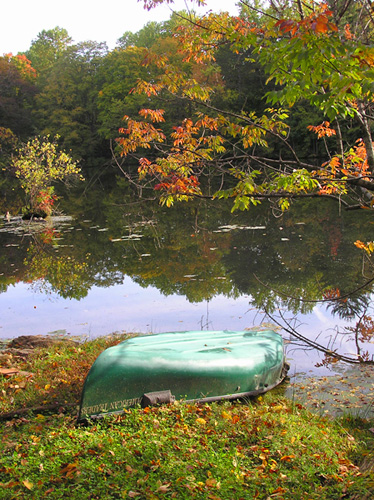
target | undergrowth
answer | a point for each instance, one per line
(52, 375)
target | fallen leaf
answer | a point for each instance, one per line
(287, 458)
(28, 484)
(163, 488)
(69, 469)
(235, 419)
(278, 491)
(211, 483)
(8, 371)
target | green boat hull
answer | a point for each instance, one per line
(197, 365)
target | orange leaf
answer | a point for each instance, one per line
(211, 482)
(359, 244)
(69, 469)
(321, 25)
(156, 115)
(235, 419)
(278, 491)
(287, 458)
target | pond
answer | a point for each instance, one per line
(112, 262)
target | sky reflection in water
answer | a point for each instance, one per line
(180, 257)
(131, 308)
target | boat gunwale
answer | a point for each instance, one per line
(211, 399)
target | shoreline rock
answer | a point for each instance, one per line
(25, 345)
(35, 341)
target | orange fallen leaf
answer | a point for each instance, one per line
(287, 458)
(211, 482)
(69, 469)
(278, 491)
(235, 419)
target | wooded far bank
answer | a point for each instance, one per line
(275, 103)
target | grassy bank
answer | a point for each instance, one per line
(268, 448)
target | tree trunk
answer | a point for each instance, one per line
(367, 138)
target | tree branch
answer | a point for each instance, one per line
(333, 354)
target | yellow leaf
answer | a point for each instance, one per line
(200, 421)
(273, 465)
(46, 387)
(28, 484)
(277, 408)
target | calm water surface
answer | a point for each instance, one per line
(112, 263)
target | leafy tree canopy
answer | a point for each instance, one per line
(67, 102)
(17, 89)
(47, 48)
(314, 52)
(146, 37)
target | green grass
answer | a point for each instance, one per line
(268, 448)
(53, 375)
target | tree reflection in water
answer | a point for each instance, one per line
(200, 251)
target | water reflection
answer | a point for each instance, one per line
(116, 264)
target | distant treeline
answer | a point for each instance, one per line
(81, 92)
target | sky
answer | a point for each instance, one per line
(97, 20)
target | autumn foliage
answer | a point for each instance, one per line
(309, 57)
(38, 165)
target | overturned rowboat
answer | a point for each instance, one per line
(192, 366)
